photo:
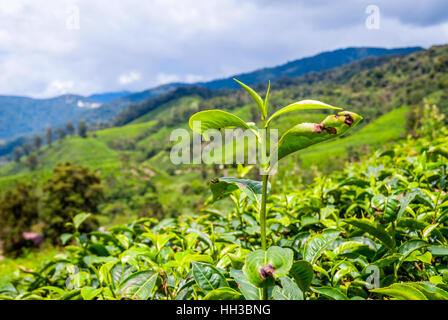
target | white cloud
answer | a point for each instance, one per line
(163, 78)
(130, 77)
(58, 87)
(192, 78)
(134, 45)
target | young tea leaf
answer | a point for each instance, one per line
(318, 243)
(223, 293)
(256, 98)
(138, 285)
(223, 187)
(401, 291)
(288, 291)
(302, 272)
(216, 119)
(306, 134)
(301, 105)
(208, 277)
(262, 266)
(373, 229)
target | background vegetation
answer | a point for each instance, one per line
(122, 175)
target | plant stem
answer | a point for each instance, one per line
(263, 211)
(263, 222)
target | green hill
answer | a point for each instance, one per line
(383, 90)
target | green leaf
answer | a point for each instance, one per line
(353, 181)
(249, 291)
(304, 135)
(302, 272)
(348, 246)
(223, 293)
(266, 99)
(92, 259)
(410, 246)
(373, 229)
(223, 187)
(288, 291)
(401, 291)
(217, 119)
(139, 285)
(80, 218)
(318, 243)
(404, 203)
(379, 202)
(301, 105)
(439, 150)
(430, 290)
(438, 250)
(330, 292)
(65, 237)
(208, 277)
(256, 98)
(89, 293)
(262, 266)
(428, 230)
(57, 290)
(71, 294)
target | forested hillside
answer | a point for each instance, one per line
(22, 115)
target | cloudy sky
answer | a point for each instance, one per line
(51, 47)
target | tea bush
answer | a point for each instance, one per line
(18, 213)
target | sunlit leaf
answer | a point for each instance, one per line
(216, 119)
(301, 105)
(306, 134)
(256, 98)
(263, 266)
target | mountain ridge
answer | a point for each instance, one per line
(21, 116)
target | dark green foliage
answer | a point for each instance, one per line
(26, 147)
(17, 154)
(82, 129)
(37, 142)
(61, 133)
(49, 136)
(150, 206)
(72, 189)
(18, 213)
(32, 162)
(70, 128)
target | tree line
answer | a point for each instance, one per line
(35, 144)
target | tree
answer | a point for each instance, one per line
(37, 142)
(18, 213)
(253, 114)
(17, 154)
(70, 128)
(27, 148)
(32, 162)
(61, 133)
(82, 129)
(71, 189)
(49, 135)
(151, 207)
